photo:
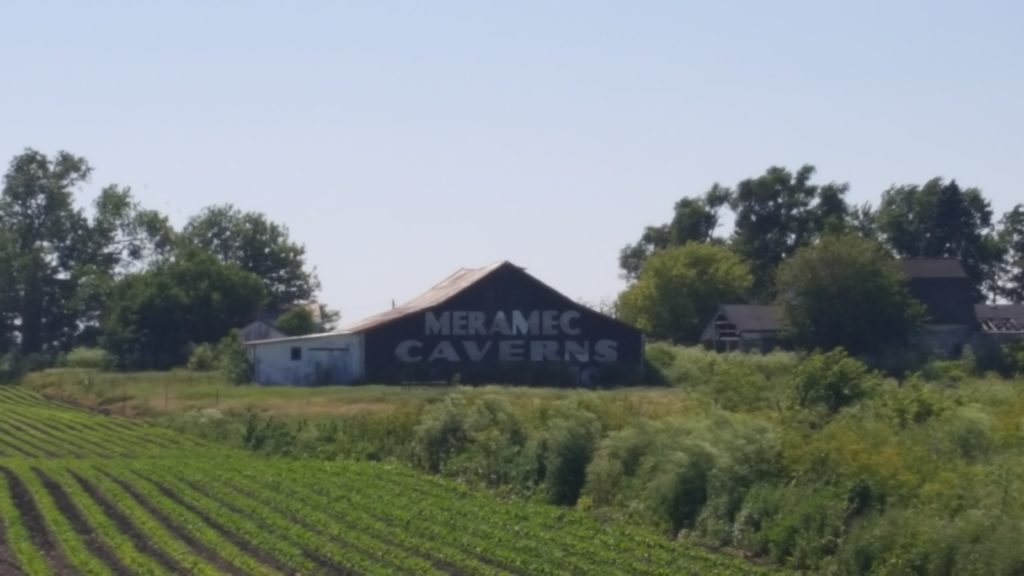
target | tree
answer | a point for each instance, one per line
(47, 234)
(941, 220)
(848, 292)
(779, 212)
(693, 220)
(255, 244)
(680, 288)
(153, 316)
(122, 238)
(8, 293)
(297, 322)
(1011, 237)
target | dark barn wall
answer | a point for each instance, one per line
(508, 327)
(946, 300)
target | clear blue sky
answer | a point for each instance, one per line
(401, 140)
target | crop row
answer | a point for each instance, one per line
(36, 428)
(156, 504)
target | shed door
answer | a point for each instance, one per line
(332, 365)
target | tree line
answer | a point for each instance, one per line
(119, 275)
(804, 246)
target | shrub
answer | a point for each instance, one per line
(232, 359)
(831, 380)
(89, 358)
(565, 448)
(203, 359)
(495, 449)
(10, 368)
(441, 434)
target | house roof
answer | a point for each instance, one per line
(933, 268)
(752, 317)
(1000, 318)
(439, 294)
(260, 330)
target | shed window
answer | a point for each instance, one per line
(296, 353)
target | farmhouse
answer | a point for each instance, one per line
(492, 324)
(952, 319)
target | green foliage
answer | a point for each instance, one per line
(564, 450)
(440, 435)
(203, 358)
(1011, 269)
(847, 292)
(779, 212)
(232, 359)
(297, 322)
(44, 233)
(153, 316)
(256, 245)
(941, 220)
(89, 358)
(831, 380)
(920, 476)
(694, 220)
(680, 288)
(1014, 355)
(64, 469)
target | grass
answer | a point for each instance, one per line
(91, 494)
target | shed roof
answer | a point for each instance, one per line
(753, 317)
(1000, 318)
(260, 330)
(439, 294)
(933, 268)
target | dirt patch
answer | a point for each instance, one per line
(128, 528)
(36, 526)
(95, 544)
(185, 536)
(223, 530)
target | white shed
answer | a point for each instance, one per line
(316, 359)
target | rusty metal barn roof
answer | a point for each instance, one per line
(439, 294)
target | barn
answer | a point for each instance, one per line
(491, 324)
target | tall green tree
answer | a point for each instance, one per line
(680, 288)
(8, 293)
(154, 316)
(847, 292)
(297, 322)
(779, 212)
(1011, 237)
(255, 244)
(942, 220)
(48, 234)
(122, 238)
(693, 220)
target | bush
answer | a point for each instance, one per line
(89, 358)
(832, 381)
(203, 359)
(495, 449)
(233, 360)
(565, 448)
(441, 434)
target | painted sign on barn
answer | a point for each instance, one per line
(484, 329)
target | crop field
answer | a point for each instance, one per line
(83, 493)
